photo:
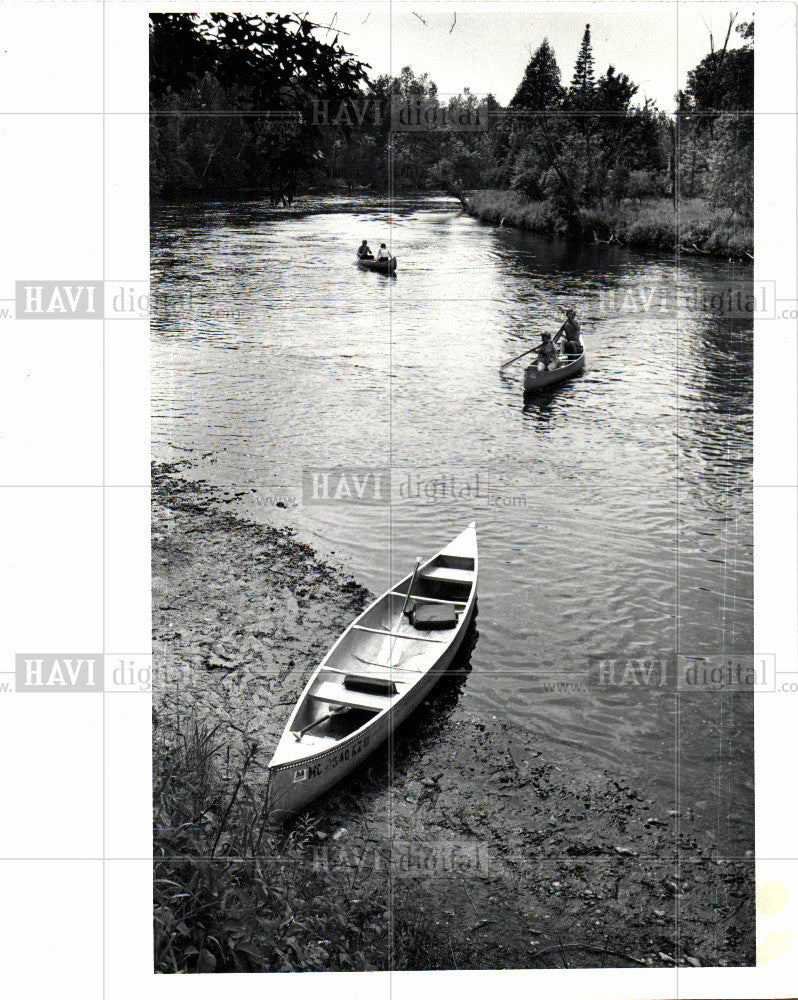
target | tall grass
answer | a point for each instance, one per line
(234, 894)
(651, 224)
(509, 208)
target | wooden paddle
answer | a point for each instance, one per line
(535, 348)
(410, 588)
(299, 733)
(531, 349)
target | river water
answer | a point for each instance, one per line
(614, 514)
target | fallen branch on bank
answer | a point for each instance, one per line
(577, 946)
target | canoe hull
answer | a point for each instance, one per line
(417, 658)
(534, 380)
(381, 266)
(292, 787)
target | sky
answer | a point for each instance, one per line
(655, 44)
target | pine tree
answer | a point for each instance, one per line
(583, 84)
(540, 90)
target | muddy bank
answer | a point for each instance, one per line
(501, 845)
(240, 612)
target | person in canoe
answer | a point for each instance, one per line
(364, 251)
(382, 253)
(569, 331)
(547, 355)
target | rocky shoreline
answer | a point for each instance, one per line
(506, 852)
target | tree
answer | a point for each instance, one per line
(540, 89)
(629, 137)
(407, 156)
(715, 116)
(614, 93)
(730, 177)
(273, 57)
(717, 85)
(243, 69)
(583, 85)
(722, 81)
(746, 32)
(529, 172)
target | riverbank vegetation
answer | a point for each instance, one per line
(696, 228)
(592, 163)
(234, 894)
(270, 104)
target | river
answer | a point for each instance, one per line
(614, 514)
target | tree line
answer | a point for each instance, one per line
(235, 105)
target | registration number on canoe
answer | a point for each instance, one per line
(341, 756)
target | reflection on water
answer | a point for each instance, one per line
(614, 511)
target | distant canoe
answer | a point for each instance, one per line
(380, 669)
(534, 380)
(383, 266)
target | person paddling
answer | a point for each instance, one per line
(572, 343)
(547, 354)
(364, 251)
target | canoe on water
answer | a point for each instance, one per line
(569, 366)
(378, 671)
(383, 266)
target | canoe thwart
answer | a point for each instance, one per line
(397, 635)
(393, 667)
(393, 672)
(428, 600)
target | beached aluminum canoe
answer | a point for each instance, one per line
(376, 674)
(534, 380)
(383, 266)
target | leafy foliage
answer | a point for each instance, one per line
(716, 131)
(225, 88)
(233, 894)
(648, 222)
(220, 88)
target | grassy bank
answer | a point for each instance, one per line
(647, 225)
(233, 894)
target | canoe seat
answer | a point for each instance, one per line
(337, 694)
(370, 684)
(448, 575)
(433, 616)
